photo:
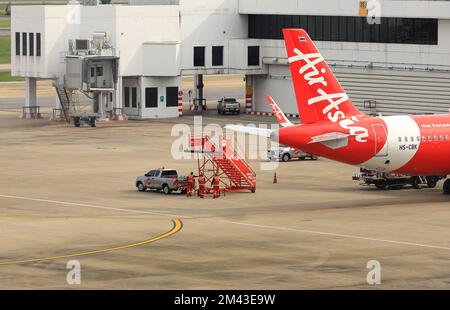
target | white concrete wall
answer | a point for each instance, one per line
(395, 91)
(428, 55)
(131, 29)
(153, 2)
(128, 27)
(209, 23)
(161, 59)
(201, 23)
(279, 86)
(136, 31)
(161, 82)
(132, 81)
(141, 112)
(28, 19)
(136, 25)
(238, 57)
(389, 8)
(434, 56)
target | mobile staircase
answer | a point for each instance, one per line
(70, 107)
(65, 99)
(235, 173)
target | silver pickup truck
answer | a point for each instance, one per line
(228, 105)
(166, 180)
(286, 153)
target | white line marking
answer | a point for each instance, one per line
(85, 205)
(234, 223)
(340, 235)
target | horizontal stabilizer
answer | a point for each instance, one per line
(332, 140)
(262, 132)
(328, 137)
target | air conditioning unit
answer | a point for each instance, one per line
(82, 45)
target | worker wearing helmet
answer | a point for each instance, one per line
(201, 186)
(216, 186)
(190, 185)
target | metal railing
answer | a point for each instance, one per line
(33, 111)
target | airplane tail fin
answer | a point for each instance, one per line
(319, 95)
(281, 117)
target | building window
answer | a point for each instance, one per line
(31, 36)
(17, 43)
(93, 72)
(38, 44)
(172, 96)
(99, 71)
(134, 97)
(127, 97)
(24, 44)
(217, 55)
(253, 56)
(199, 56)
(326, 28)
(151, 97)
(347, 28)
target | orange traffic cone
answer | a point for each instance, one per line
(275, 180)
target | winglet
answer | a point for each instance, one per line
(281, 117)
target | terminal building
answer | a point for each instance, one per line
(130, 58)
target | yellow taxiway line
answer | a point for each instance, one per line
(177, 226)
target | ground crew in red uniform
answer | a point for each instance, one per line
(201, 186)
(190, 185)
(216, 186)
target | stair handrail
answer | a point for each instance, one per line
(245, 176)
(244, 160)
(241, 174)
(231, 160)
(236, 154)
(58, 92)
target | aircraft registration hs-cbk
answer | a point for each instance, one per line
(332, 127)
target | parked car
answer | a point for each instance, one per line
(166, 180)
(286, 153)
(228, 105)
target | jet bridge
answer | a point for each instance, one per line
(92, 69)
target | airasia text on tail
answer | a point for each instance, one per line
(332, 110)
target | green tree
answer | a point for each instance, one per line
(8, 9)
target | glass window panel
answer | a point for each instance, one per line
(17, 43)
(24, 43)
(326, 28)
(334, 28)
(172, 96)
(151, 97)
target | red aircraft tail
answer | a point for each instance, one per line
(319, 95)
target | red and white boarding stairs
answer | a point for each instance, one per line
(224, 161)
